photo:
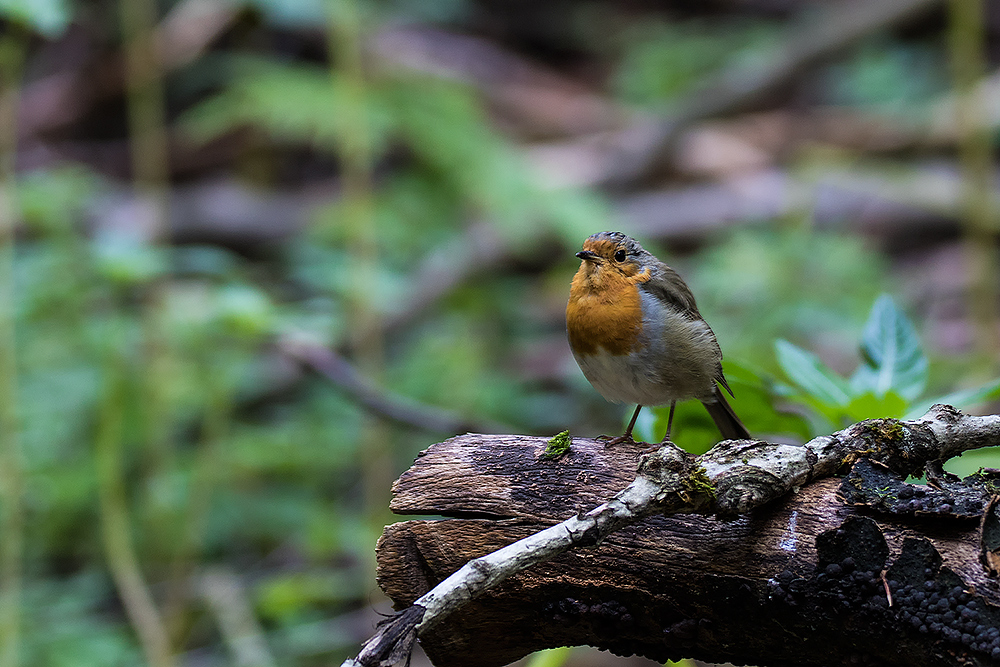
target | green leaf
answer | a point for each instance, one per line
(663, 61)
(887, 75)
(445, 126)
(872, 406)
(553, 657)
(244, 310)
(754, 401)
(811, 375)
(285, 595)
(959, 399)
(972, 462)
(48, 17)
(891, 352)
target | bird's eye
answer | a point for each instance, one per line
(620, 255)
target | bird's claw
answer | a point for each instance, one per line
(611, 442)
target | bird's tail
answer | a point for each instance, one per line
(722, 414)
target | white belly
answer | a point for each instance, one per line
(624, 379)
(678, 360)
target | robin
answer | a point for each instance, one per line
(637, 334)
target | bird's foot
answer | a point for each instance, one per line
(652, 448)
(611, 442)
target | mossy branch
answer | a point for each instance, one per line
(732, 478)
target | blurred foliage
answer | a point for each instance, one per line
(889, 382)
(273, 480)
(661, 62)
(265, 469)
(461, 164)
(791, 282)
(889, 76)
(48, 17)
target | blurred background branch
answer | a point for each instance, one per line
(334, 368)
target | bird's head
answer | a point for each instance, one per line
(612, 252)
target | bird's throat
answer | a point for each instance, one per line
(604, 311)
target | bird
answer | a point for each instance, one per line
(638, 337)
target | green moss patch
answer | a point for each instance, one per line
(559, 446)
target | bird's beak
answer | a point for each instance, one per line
(587, 255)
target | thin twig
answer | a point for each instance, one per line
(357, 220)
(340, 372)
(148, 145)
(885, 585)
(115, 531)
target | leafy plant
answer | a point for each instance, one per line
(889, 382)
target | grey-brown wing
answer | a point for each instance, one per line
(667, 286)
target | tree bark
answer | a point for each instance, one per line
(860, 570)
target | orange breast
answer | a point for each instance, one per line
(604, 311)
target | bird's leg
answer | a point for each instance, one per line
(666, 438)
(625, 437)
(670, 422)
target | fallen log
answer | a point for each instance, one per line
(863, 569)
